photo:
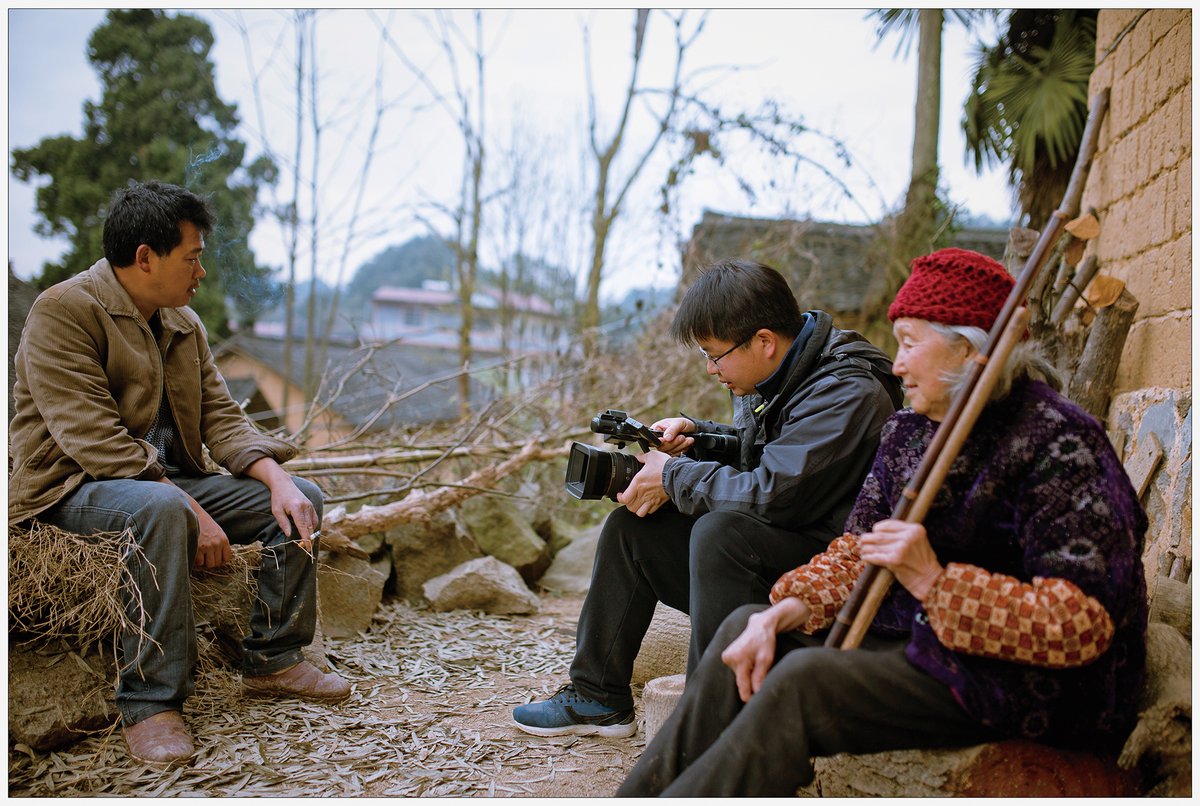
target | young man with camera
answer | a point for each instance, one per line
(704, 537)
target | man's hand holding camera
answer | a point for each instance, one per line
(673, 441)
(645, 492)
(593, 473)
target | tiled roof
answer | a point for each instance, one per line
(393, 368)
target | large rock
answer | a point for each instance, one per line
(482, 584)
(501, 531)
(221, 602)
(571, 569)
(372, 543)
(56, 698)
(664, 650)
(1161, 742)
(532, 502)
(426, 549)
(559, 534)
(349, 591)
(1160, 746)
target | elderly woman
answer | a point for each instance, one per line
(1020, 608)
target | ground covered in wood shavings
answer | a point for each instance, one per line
(430, 716)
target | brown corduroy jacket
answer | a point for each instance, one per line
(90, 378)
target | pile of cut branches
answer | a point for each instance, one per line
(394, 477)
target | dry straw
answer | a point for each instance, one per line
(77, 588)
(63, 585)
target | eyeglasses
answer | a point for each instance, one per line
(716, 359)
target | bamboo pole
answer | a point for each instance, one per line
(862, 604)
(993, 367)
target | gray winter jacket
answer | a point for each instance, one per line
(805, 454)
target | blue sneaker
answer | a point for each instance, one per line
(569, 712)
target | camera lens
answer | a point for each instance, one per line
(593, 474)
(624, 468)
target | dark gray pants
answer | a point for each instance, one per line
(706, 567)
(156, 674)
(814, 702)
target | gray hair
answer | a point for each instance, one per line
(1025, 361)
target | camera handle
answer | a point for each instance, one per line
(620, 429)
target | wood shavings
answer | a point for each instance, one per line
(429, 717)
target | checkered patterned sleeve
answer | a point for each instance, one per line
(823, 583)
(1050, 623)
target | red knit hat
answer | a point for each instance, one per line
(953, 287)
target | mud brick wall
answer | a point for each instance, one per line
(1141, 188)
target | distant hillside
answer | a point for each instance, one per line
(408, 265)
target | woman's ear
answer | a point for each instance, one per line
(964, 348)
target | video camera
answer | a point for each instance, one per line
(593, 473)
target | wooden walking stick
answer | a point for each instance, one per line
(863, 603)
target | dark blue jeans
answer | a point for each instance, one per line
(156, 669)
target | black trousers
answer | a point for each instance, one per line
(706, 567)
(814, 702)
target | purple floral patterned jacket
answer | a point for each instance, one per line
(1037, 492)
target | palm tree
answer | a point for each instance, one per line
(1028, 103)
(915, 228)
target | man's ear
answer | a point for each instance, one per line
(142, 257)
(768, 341)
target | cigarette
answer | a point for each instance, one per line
(315, 535)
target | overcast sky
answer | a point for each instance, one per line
(822, 65)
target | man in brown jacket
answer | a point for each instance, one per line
(116, 396)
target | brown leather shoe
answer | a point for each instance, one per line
(161, 739)
(303, 681)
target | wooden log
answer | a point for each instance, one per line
(659, 699)
(421, 506)
(1085, 227)
(664, 649)
(395, 456)
(1092, 381)
(1011, 768)
(1066, 303)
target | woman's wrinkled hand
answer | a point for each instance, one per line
(752, 654)
(903, 548)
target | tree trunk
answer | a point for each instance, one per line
(469, 257)
(922, 183)
(590, 321)
(916, 226)
(293, 221)
(602, 215)
(313, 372)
